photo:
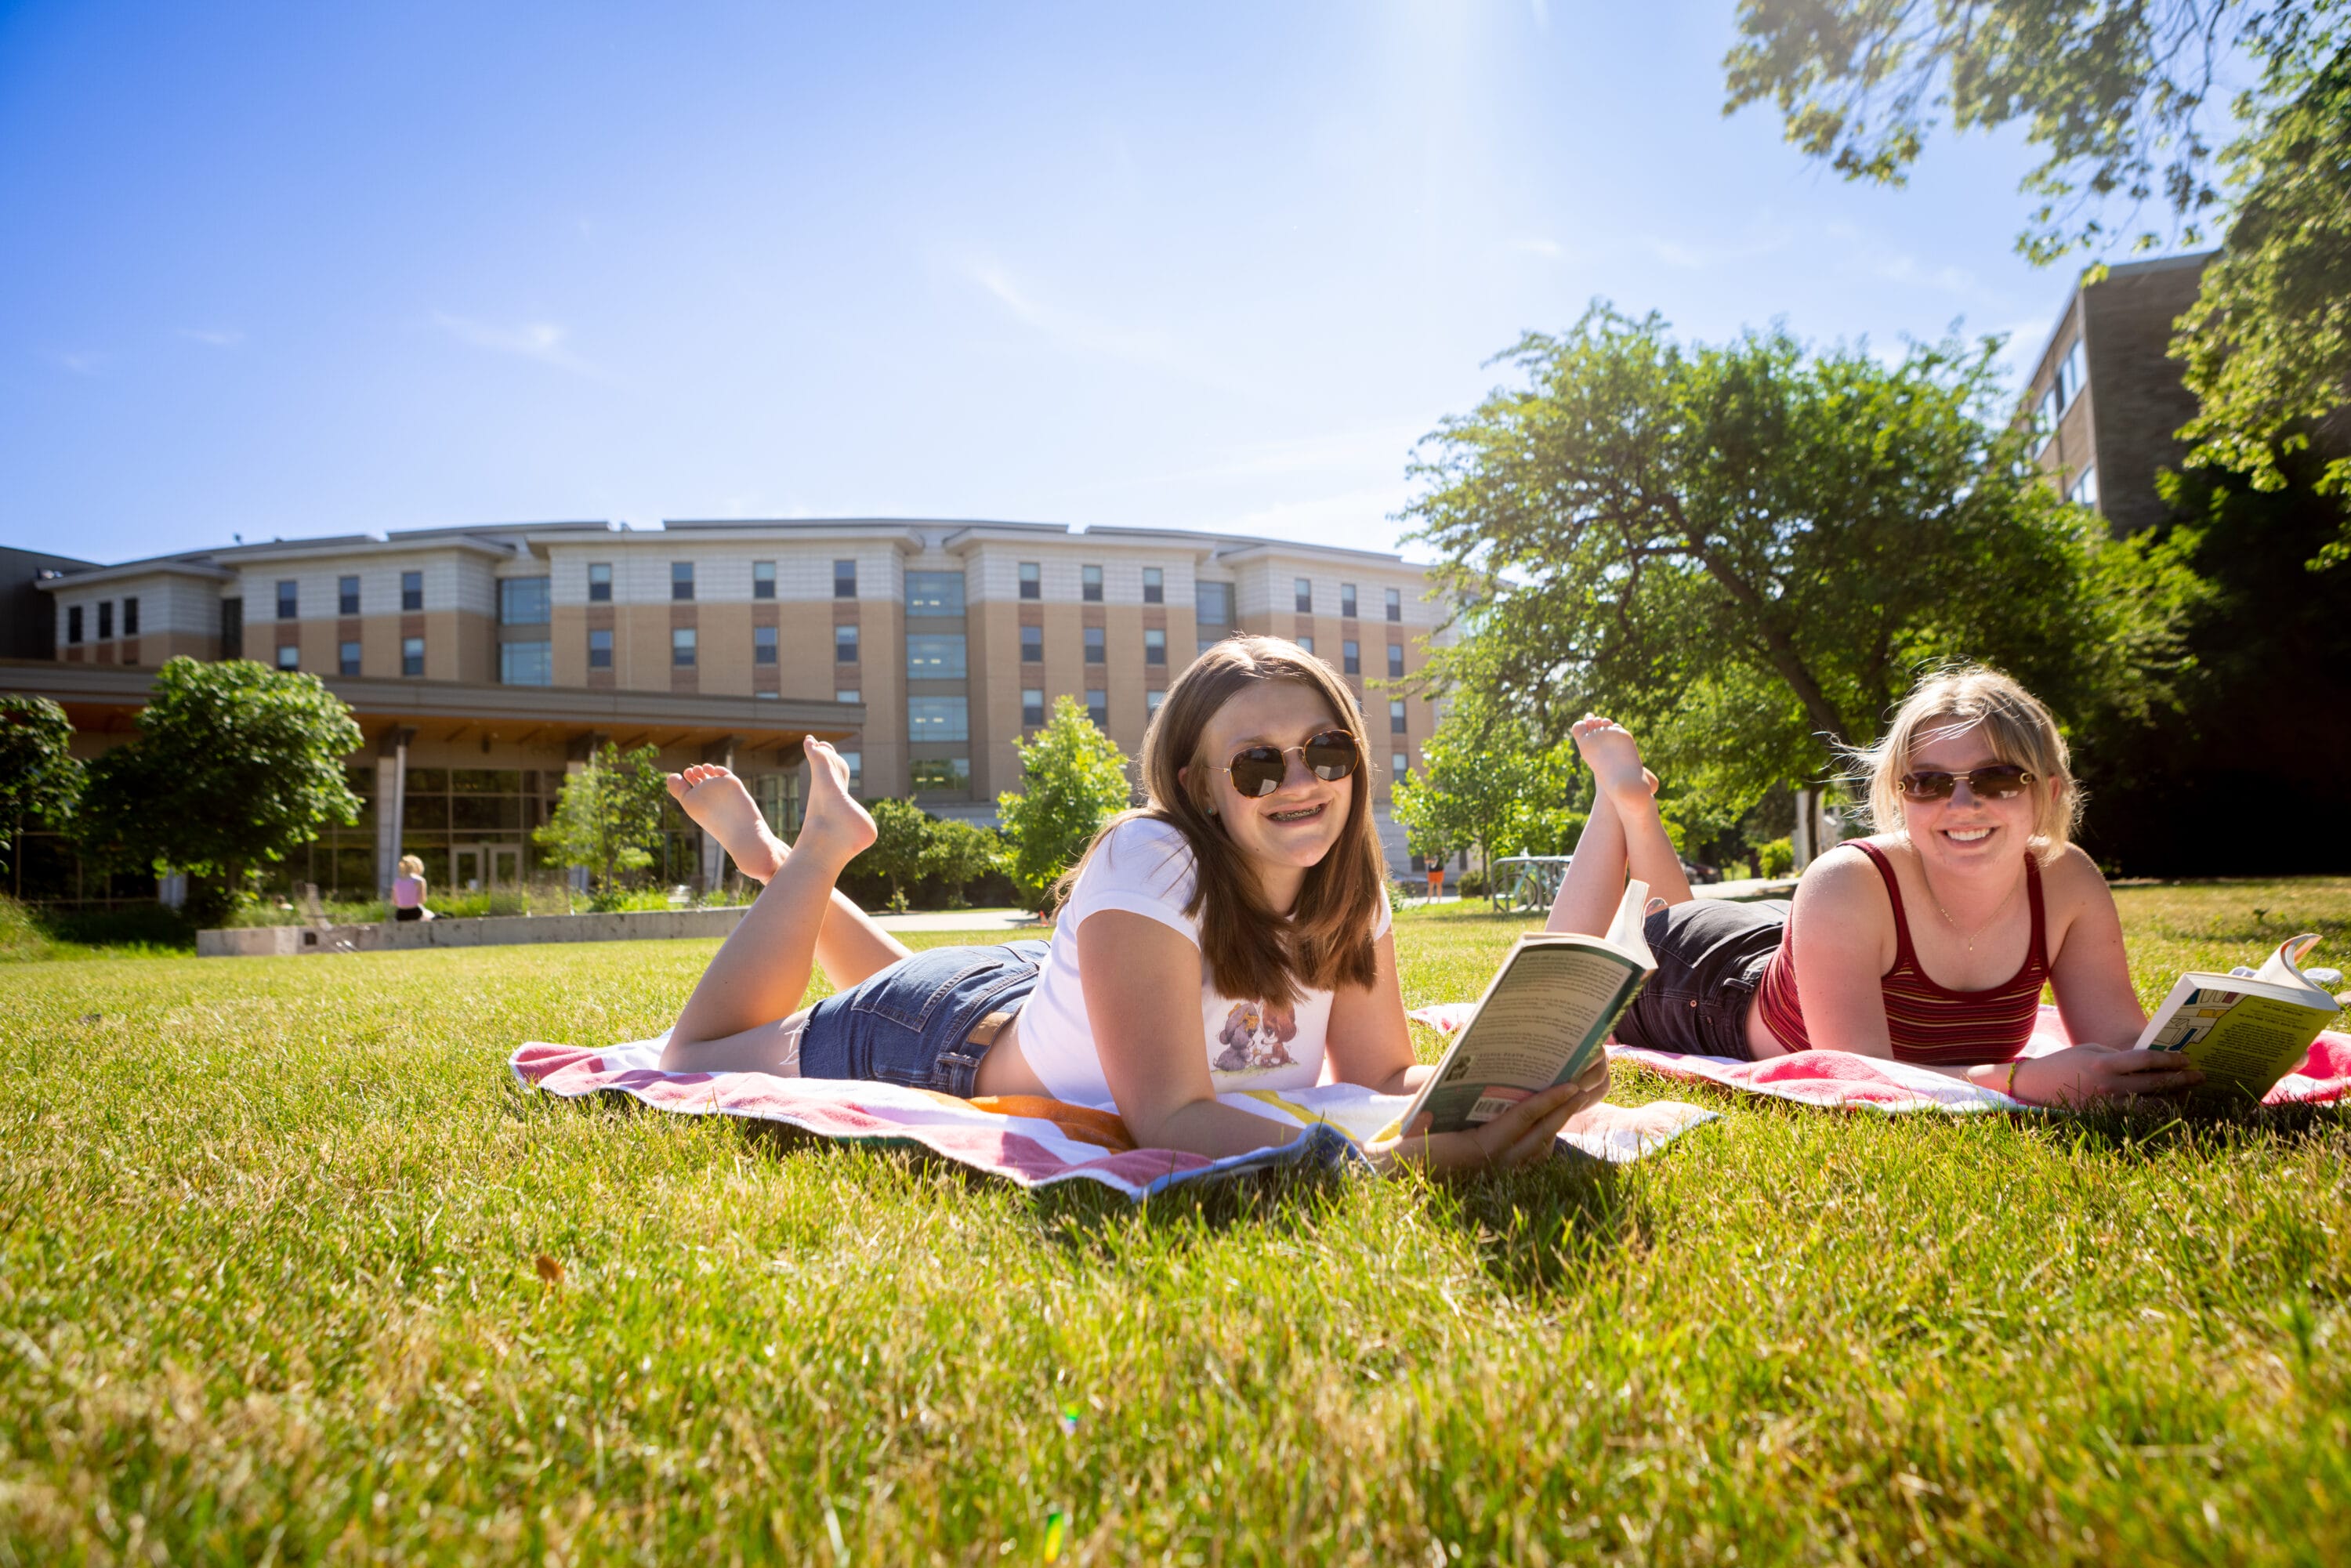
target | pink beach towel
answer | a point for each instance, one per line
(1840, 1079)
(1036, 1143)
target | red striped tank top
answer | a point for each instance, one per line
(1927, 1023)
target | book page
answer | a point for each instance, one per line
(1541, 1022)
(2243, 1044)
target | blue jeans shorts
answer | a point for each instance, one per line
(913, 1023)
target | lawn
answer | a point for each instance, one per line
(277, 1238)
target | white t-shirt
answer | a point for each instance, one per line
(1145, 868)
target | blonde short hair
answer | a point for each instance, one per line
(2018, 726)
(411, 866)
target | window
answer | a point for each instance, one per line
(1154, 586)
(682, 648)
(523, 601)
(599, 650)
(526, 663)
(1214, 604)
(600, 582)
(1347, 600)
(933, 657)
(1395, 717)
(346, 596)
(845, 579)
(934, 593)
(1098, 707)
(844, 644)
(1032, 706)
(941, 773)
(1302, 590)
(1351, 656)
(1033, 644)
(347, 659)
(1154, 645)
(855, 762)
(232, 629)
(412, 591)
(289, 657)
(1395, 660)
(1395, 605)
(1151, 701)
(1033, 580)
(411, 655)
(681, 579)
(73, 622)
(763, 580)
(1090, 584)
(1307, 643)
(2046, 421)
(847, 694)
(1094, 654)
(2084, 492)
(1399, 764)
(290, 600)
(130, 616)
(763, 645)
(2073, 374)
(105, 620)
(930, 719)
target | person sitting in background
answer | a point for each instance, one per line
(1927, 941)
(408, 891)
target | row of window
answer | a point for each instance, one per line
(105, 619)
(2072, 375)
(347, 658)
(347, 595)
(942, 592)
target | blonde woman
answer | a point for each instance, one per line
(1927, 942)
(1232, 934)
(408, 891)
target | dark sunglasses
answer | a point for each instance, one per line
(1258, 770)
(1997, 782)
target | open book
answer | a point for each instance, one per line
(2244, 1032)
(1543, 1018)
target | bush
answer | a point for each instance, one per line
(1471, 884)
(1775, 858)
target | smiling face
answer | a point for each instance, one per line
(1284, 833)
(1967, 830)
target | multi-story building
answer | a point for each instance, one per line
(483, 663)
(2105, 397)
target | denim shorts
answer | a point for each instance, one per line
(912, 1023)
(1712, 954)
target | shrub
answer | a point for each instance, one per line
(1777, 858)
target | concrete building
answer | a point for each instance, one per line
(2106, 396)
(482, 663)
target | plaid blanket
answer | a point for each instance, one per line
(1036, 1143)
(1840, 1079)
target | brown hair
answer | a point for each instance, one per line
(2014, 722)
(1252, 952)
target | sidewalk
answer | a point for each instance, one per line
(964, 920)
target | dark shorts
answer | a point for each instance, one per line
(411, 912)
(1712, 954)
(912, 1023)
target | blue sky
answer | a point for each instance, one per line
(296, 269)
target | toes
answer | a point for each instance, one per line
(678, 786)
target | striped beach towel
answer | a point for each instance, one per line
(1036, 1143)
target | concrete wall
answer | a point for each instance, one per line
(488, 931)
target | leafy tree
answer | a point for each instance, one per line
(609, 818)
(1748, 551)
(2267, 345)
(2116, 97)
(959, 853)
(235, 767)
(38, 775)
(901, 836)
(1485, 783)
(1072, 781)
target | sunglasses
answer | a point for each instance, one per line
(1997, 782)
(1258, 770)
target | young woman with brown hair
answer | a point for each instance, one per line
(1231, 934)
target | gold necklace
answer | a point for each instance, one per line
(1996, 914)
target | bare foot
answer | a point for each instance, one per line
(1609, 749)
(836, 827)
(722, 808)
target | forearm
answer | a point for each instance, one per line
(1205, 1127)
(1406, 1079)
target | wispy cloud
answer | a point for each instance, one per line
(80, 361)
(1068, 329)
(1698, 255)
(541, 341)
(1541, 9)
(214, 336)
(1355, 519)
(1549, 249)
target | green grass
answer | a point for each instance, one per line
(269, 1292)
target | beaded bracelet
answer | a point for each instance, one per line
(2010, 1090)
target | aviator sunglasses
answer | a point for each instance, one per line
(1258, 770)
(1998, 782)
